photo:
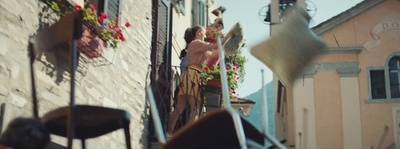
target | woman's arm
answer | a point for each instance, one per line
(211, 46)
(202, 46)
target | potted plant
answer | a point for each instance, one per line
(98, 30)
(235, 72)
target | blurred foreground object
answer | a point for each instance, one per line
(25, 133)
(217, 12)
(291, 48)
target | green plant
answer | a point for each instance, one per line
(106, 28)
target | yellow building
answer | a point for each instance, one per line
(350, 97)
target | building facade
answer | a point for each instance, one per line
(118, 84)
(348, 98)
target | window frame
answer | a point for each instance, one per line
(375, 68)
(385, 68)
(388, 74)
(199, 12)
(106, 7)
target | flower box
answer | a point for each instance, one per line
(90, 43)
(216, 83)
(98, 30)
(213, 96)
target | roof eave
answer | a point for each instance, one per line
(345, 16)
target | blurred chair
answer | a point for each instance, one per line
(291, 48)
(73, 121)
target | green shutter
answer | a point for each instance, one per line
(182, 6)
(194, 12)
(202, 13)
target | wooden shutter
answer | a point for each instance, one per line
(194, 13)
(112, 8)
(160, 58)
(202, 12)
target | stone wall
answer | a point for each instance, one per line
(119, 85)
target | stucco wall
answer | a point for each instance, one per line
(328, 109)
(304, 113)
(119, 85)
(374, 117)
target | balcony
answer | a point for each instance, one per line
(165, 81)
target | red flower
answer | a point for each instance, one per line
(116, 20)
(127, 24)
(102, 17)
(206, 68)
(77, 7)
(228, 67)
(122, 37)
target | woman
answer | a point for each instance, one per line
(197, 52)
(183, 58)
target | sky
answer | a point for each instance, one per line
(246, 12)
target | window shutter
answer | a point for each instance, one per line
(394, 77)
(112, 8)
(202, 13)
(194, 13)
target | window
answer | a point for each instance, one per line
(384, 82)
(394, 77)
(281, 95)
(199, 12)
(202, 12)
(194, 12)
(110, 7)
(378, 90)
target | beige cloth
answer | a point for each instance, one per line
(236, 41)
(291, 47)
